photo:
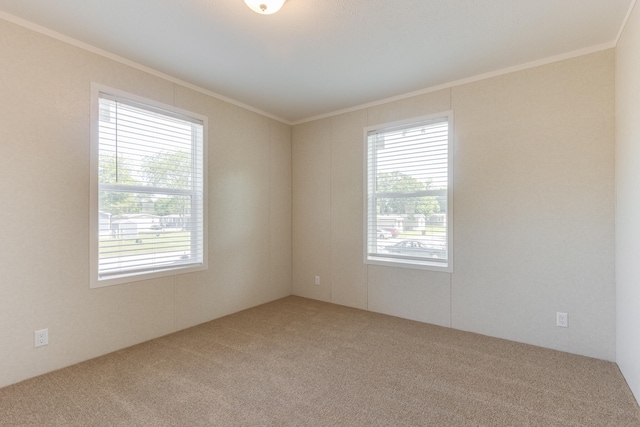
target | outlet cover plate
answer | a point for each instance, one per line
(562, 320)
(41, 338)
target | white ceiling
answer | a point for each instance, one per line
(315, 57)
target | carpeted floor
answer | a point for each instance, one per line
(299, 362)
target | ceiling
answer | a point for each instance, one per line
(315, 57)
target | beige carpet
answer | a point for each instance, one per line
(298, 362)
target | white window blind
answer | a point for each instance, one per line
(408, 193)
(150, 179)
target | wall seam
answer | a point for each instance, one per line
(365, 237)
(452, 222)
(331, 224)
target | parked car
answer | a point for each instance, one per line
(382, 234)
(393, 231)
(417, 248)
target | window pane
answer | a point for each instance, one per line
(147, 148)
(408, 180)
(150, 189)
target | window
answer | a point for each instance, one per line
(148, 189)
(408, 213)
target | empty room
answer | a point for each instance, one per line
(320, 213)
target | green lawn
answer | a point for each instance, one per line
(145, 243)
(429, 231)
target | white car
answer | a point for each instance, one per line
(383, 234)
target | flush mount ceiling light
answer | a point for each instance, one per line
(265, 7)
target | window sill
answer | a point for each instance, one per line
(444, 267)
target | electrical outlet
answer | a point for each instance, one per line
(317, 282)
(562, 320)
(41, 337)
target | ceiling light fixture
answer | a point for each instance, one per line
(265, 7)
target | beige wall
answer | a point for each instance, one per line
(533, 209)
(628, 201)
(44, 231)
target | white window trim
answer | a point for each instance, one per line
(406, 263)
(94, 281)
